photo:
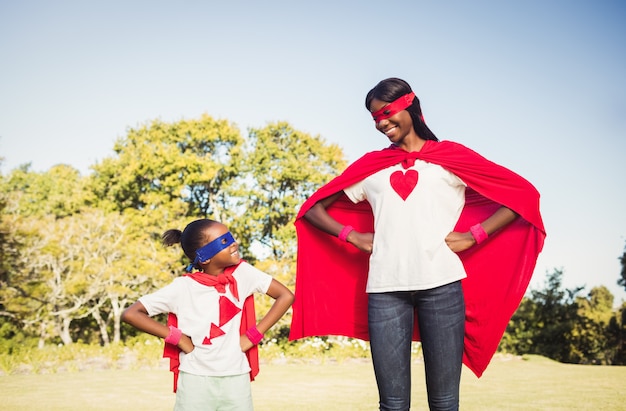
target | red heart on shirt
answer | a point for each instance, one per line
(403, 183)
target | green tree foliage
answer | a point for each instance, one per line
(171, 171)
(83, 248)
(617, 335)
(622, 279)
(60, 192)
(562, 325)
(86, 265)
(555, 316)
(590, 336)
(283, 167)
(12, 241)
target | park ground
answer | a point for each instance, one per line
(510, 383)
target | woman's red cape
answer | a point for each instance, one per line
(331, 275)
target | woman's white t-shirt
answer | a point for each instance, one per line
(197, 308)
(409, 250)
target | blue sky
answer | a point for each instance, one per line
(537, 86)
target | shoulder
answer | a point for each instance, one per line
(250, 279)
(247, 269)
(180, 282)
(447, 145)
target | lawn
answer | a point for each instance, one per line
(509, 383)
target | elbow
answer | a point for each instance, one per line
(130, 314)
(310, 215)
(125, 316)
(287, 299)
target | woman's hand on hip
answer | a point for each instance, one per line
(362, 241)
(458, 242)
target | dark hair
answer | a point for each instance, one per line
(193, 237)
(391, 89)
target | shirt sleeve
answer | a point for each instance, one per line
(162, 300)
(355, 192)
(251, 280)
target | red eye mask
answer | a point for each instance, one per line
(394, 107)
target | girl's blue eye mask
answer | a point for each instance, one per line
(209, 250)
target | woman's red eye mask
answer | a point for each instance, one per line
(394, 107)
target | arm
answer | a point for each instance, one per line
(319, 218)
(462, 241)
(137, 316)
(283, 299)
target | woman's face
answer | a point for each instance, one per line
(397, 127)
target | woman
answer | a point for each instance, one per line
(442, 215)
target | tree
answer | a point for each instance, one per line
(29, 200)
(521, 329)
(12, 241)
(83, 248)
(590, 335)
(622, 280)
(545, 321)
(617, 335)
(170, 171)
(86, 265)
(284, 167)
(60, 192)
(120, 263)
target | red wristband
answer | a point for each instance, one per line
(174, 335)
(479, 233)
(343, 234)
(254, 335)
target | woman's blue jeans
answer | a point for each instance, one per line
(441, 313)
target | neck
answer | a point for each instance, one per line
(412, 144)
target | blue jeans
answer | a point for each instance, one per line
(441, 314)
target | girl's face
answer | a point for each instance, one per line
(229, 255)
(396, 127)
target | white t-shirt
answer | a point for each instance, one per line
(410, 252)
(197, 308)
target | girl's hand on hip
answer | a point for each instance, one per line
(245, 343)
(185, 344)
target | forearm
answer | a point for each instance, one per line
(137, 316)
(458, 241)
(283, 300)
(501, 218)
(319, 217)
(275, 313)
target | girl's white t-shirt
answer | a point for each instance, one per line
(197, 308)
(409, 250)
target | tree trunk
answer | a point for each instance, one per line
(104, 333)
(64, 331)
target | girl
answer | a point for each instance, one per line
(411, 222)
(208, 333)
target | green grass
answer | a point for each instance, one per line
(508, 384)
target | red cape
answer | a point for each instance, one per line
(248, 319)
(331, 275)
